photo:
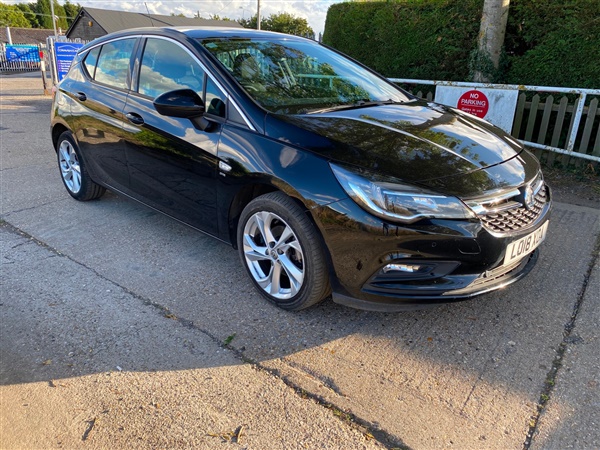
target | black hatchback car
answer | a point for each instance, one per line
(325, 176)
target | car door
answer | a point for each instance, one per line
(98, 99)
(172, 160)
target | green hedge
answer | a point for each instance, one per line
(548, 42)
(554, 43)
(411, 40)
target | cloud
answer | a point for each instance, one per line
(314, 11)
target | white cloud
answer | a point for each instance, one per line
(314, 11)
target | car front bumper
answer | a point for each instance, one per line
(439, 261)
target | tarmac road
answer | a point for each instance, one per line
(121, 328)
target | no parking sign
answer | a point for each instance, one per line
(474, 102)
(494, 105)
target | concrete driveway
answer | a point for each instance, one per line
(121, 328)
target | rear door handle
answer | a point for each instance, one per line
(81, 96)
(135, 118)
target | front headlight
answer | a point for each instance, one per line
(398, 201)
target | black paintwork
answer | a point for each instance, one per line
(171, 163)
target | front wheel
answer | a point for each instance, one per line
(73, 172)
(280, 248)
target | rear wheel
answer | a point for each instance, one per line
(280, 248)
(73, 172)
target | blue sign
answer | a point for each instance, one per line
(64, 53)
(22, 53)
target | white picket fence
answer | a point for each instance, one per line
(560, 120)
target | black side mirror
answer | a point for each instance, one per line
(179, 103)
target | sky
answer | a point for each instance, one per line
(314, 11)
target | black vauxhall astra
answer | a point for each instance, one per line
(325, 176)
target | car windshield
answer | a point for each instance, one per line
(300, 77)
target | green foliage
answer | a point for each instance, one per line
(12, 16)
(410, 39)
(548, 42)
(554, 43)
(42, 10)
(217, 17)
(482, 62)
(71, 11)
(43, 15)
(281, 23)
(29, 15)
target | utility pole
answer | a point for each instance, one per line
(53, 18)
(258, 15)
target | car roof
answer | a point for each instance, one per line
(223, 32)
(195, 33)
(201, 33)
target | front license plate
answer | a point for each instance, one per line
(518, 249)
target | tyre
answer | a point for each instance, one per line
(281, 250)
(73, 172)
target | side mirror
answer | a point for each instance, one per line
(179, 103)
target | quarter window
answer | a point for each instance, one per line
(215, 100)
(90, 61)
(165, 67)
(113, 63)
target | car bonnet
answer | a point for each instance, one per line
(417, 142)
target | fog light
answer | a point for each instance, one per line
(406, 268)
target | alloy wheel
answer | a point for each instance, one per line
(69, 166)
(274, 255)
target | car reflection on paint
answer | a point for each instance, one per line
(327, 178)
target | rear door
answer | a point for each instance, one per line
(172, 161)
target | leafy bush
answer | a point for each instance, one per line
(548, 42)
(408, 39)
(554, 43)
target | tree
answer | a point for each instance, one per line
(282, 23)
(44, 14)
(71, 11)
(12, 16)
(42, 10)
(217, 17)
(29, 15)
(485, 61)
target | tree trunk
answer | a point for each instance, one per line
(490, 40)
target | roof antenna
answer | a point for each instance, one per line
(148, 11)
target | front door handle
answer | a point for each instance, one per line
(81, 96)
(135, 118)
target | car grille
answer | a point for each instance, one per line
(512, 210)
(517, 218)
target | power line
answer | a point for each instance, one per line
(40, 14)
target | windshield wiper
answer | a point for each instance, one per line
(355, 105)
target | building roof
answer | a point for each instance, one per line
(111, 20)
(25, 35)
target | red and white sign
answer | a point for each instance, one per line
(474, 102)
(494, 105)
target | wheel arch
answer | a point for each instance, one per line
(251, 191)
(57, 130)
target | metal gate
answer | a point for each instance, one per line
(561, 120)
(18, 58)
